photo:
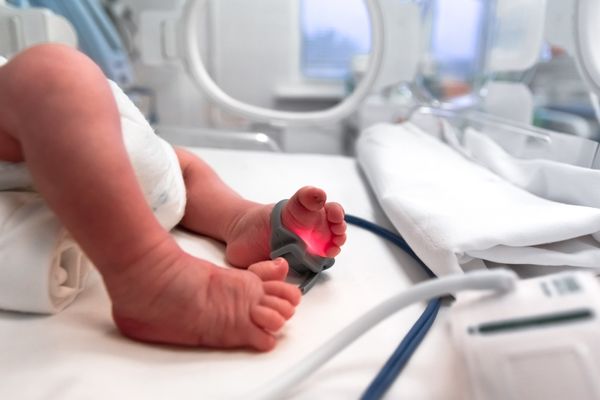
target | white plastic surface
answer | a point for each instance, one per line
(22, 28)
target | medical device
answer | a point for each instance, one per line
(299, 249)
(181, 43)
(169, 37)
(539, 341)
(162, 29)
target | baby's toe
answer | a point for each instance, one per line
(338, 229)
(338, 240)
(266, 318)
(283, 290)
(275, 270)
(283, 307)
(335, 213)
(332, 251)
(311, 198)
(260, 339)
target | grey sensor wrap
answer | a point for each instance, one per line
(286, 244)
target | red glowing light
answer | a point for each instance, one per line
(314, 244)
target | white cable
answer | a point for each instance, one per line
(498, 280)
(196, 67)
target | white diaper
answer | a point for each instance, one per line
(154, 161)
(42, 269)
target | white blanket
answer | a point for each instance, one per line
(42, 269)
(452, 210)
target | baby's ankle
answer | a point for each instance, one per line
(120, 279)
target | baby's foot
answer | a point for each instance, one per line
(321, 225)
(188, 301)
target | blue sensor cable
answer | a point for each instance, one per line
(398, 360)
(396, 363)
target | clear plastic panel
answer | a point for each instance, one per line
(518, 34)
(456, 44)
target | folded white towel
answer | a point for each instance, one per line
(452, 210)
(41, 267)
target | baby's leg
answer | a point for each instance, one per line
(57, 106)
(58, 115)
(245, 226)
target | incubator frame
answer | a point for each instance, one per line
(197, 70)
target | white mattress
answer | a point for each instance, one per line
(78, 354)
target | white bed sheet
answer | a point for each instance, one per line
(78, 354)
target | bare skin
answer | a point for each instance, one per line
(57, 114)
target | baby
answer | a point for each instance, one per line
(59, 116)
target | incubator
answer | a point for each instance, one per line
(446, 148)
